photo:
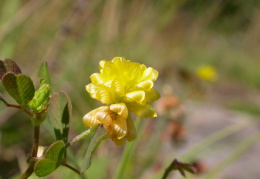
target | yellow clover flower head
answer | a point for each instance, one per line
(207, 73)
(115, 119)
(121, 80)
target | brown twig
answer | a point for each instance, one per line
(16, 106)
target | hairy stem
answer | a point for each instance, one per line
(18, 107)
(81, 136)
(36, 136)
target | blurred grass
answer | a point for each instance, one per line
(73, 36)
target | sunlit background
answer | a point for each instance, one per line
(207, 54)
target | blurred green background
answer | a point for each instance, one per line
(175, 37)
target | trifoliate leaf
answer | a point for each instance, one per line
(43, 73)
(20, 87)
(53, 158)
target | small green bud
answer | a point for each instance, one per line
(41, 98)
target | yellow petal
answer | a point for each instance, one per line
(107, 69)
(120, 109)
(150, 74)
(100, 93)
(144, 111)
(97, 78)
(91, 88)
(136, 96)
(118, 88)
(131, 132)
(119, 127)
(118, 60)
(152, 95)
(104, 118)
(146, 85)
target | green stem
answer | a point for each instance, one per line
(199, 147)
(128, 151)
(81, 136)
(239, 150)
(71, 168)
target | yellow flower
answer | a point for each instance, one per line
(115, 119)
(121, 80)
(207, 73)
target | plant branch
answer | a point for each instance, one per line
(16, 106)
(36, 136)
(28, 172)
(72, 168)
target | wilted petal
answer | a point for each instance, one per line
(136, 96)
(120, 109)
(119, 141)
(131, 132)
(119, 127)
(144, 111)
(89, 120)
(104, 118)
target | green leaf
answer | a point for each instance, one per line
(53, 158)
(59, 115)
(20, 87)
(2, 69)
(11, 66)
(45, 167)
(99, 135)
(43, 72)
(181, 167)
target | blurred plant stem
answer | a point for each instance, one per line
(20, 17)
(242, 147)
(128, 151)
(188, 156)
